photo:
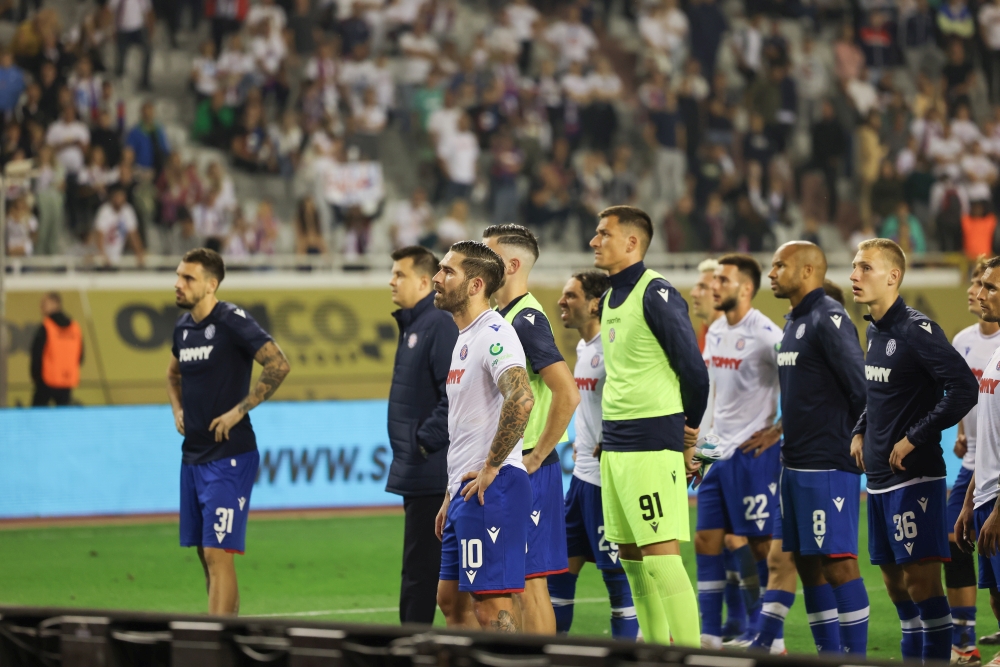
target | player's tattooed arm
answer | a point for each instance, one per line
(276, 368)
(517, 403)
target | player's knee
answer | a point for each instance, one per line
(923, 581)
(707, 543)
(447, 601)
(760, 547)
(218, 561)
(839, 571)
(960, 572)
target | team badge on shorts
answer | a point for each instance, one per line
(801, 331)
(890, 347)
(210, 332)
(464, 353)
(411, 341)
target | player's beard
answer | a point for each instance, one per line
(727, 304)
(782, 292)
(455, 302)
(187, 305)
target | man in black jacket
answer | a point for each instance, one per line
(418, 424)
(829, 141)
(56, 354)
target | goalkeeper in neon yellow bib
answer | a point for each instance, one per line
(556, 397)
(654, 397)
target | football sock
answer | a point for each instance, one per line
(821, 610)
(624, 624)
(749, 584)
(736, 613)
(911, 645)
(772, 617)
(648, 608)
(562, 591)
(677, 597)
(852, 609)
(711, 586)
(964, 621)
(935, 620)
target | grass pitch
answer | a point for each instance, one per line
(339, 569)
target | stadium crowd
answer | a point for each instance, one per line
(738, 126)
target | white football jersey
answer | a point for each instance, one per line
(484, 350)
(977, 350)
(988, 433)
(590, 377)
(742, 364)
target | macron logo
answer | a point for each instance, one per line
(239, 311)
(926, 326)
(877, 373)
(726, 362)
(787, 358)
(988, 386)
(455, 376)
(839, 502)
(196, 353)
(836, 320)
(530, 317)
(494, 531)
(242, 502)
(586, 384)
(665, 293)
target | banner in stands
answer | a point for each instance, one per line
(341, 342)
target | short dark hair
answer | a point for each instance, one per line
(991, 263)
(833, 291)
(210, 261)
(746, 265)
(631, 216)
(518, 236)
(594, 283)
(54, 297)
(424, 261)
(481, 261)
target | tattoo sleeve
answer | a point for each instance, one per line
(276, 368)
(517, 403)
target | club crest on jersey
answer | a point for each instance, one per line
(611, 335)
(740, 344)
(210, 332)
(464, 353)
(596, 361)
(411, 341)
(801, 331)
(496, 348)
(998, 365)
(890, 347)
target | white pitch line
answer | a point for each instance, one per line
(373, 610)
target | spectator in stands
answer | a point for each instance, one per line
(308, 232)
(116, 222)
(70, 139)
(572, 39)
(955, 21)
(748, 47)
(871, 153)
(905, 229)
(204, 79)
(11, 83)
(93, 182)
(148, 140)
(49, 201)
(178, 191)
(958, 76)
(849, 59)
(252, 148)
(917, 28)
(708, 25)
(507, 163)
(214, 121)
(134, 24)
(668, 135)
(887, 191)
(459, 154)
(455, 226)
(227, 17)
(22, 229)
(411, 222)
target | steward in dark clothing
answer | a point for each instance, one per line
(418, 428)
(56, 357)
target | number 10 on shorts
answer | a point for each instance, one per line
(472, 554)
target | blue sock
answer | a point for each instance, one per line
(852, 608)
(912, 643)
(772, 617)
(750, 586)
(624, 624)
(821, 610)
(711, 583)
(562, 590)
(964, 621)
(736, 612)
(935, 620)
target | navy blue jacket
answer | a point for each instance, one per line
(666, 313)
(918, 385)
(418, 402)
(821, 370)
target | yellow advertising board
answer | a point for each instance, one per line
(341, 342)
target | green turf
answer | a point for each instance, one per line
(333, 565)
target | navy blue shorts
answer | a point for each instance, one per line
(585, 526)
(740, 494)
(957, 497)
(907, 525)
(820, 510)
(989, 568)
(546, 524)
(215, 502)
(483, 545)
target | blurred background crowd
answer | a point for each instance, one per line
(352, 127)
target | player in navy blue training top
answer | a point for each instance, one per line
(821, 371)
(208, 382)
(917, 386)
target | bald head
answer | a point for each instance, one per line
(798, 267)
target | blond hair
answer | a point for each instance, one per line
(890, 251)
(708, 265)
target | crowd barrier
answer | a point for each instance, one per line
(33, 637)
(110, 460)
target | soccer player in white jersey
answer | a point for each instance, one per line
(483, 521)
(976, 343)
(580, 309)
(739, 493)
(979, 513)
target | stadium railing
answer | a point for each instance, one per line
(43, 637)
